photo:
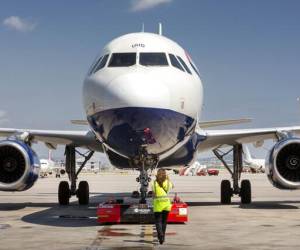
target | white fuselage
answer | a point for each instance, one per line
(256, 163)
(47, 166)
(129, 104)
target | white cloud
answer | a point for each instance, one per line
(19, 24)
(140, 5)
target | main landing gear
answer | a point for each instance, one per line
(244, 189)
(65, 191)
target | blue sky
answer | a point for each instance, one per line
(247, 53)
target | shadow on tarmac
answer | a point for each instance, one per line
(73, 215)
(76, 215)
(271, 205)
(253, 205)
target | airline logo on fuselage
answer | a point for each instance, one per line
(141, 45)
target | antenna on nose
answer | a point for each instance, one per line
(143, 27)
(160, 29)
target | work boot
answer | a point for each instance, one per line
(161, 239)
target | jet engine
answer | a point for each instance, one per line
(283, 164)
(19, 166)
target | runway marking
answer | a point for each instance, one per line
(147, 235)
(126, 237)
(110, 237)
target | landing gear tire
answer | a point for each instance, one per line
(83, 193)
(64, 193)
(226, 192)
(245, 192)
(135, 194)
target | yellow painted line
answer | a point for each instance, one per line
(149, 233)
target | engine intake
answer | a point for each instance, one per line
(19, 166)
(283, 164)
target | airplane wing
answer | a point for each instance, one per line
(220, 138)
(52, 138)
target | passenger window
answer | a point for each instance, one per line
(184, 65)
(122, 60)
(175, 62)
(153, 59)
(102, 63)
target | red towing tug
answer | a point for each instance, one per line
(117, 211)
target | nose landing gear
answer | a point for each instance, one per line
(144, 162)
(144, 180)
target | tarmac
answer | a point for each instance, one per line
(33, 219)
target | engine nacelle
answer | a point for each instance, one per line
(283, 164)
(19, 166)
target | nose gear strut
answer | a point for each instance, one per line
(144, 162)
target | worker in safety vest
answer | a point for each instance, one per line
(161, 202)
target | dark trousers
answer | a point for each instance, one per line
(161, 223)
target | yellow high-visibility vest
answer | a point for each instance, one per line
(161, 201)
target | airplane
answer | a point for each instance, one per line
(48, 167)
(193, 169)
(255, 164)
(143, 98)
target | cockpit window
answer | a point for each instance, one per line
(153, 59)
(192, 64)
(95, 65)
(122, 60)
(195, 69)
(175, 62)
(184, 65)
(101, 64)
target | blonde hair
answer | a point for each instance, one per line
(161, 176)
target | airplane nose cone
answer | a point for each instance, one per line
(138, 90)
(137, 113)
(127, 129)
